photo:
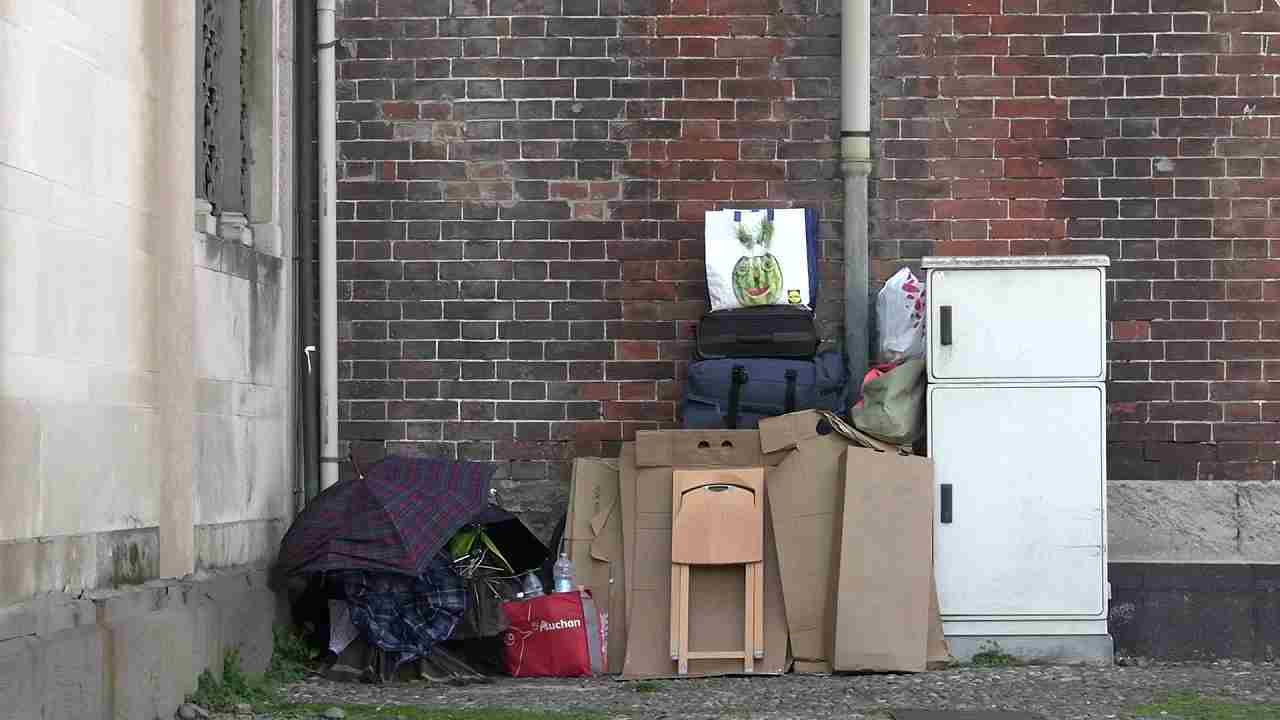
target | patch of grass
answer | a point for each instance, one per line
(647, 686)
(1192, 706)
(396, 712)
(990, 654)
(289, 659)
(234, 687)
(290, 656)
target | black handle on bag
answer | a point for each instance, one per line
(737, 378)
(946, 504)
(944, 324)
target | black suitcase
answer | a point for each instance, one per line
(771, 331)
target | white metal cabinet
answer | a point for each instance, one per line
(1025, 532)
(1016, 323)
(1017, 435)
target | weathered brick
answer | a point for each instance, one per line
(1155, 161)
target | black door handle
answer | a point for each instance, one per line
(944, 324)
(946, 504)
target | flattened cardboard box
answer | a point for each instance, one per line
(805, 492)
(885, 599)
(807, 509)
(593, 533)
(715, 607)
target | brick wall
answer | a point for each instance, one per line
(1145, 130)
(521, 193)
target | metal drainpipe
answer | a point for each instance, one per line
(304, 223)
(855, 164)
(326, 113)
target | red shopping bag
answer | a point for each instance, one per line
(557, 635)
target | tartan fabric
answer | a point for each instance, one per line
(406, 616)
(394, 520)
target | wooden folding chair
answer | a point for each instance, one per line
(718, 519)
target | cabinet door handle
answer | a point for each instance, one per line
(944, 324)
(946, 503)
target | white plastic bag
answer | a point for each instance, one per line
(754, 261)
(900, 313)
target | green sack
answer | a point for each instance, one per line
(893, 404)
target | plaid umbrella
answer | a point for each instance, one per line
(394, 520)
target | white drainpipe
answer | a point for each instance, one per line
(326, 131)
(855, 163)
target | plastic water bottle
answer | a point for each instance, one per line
(563, 574)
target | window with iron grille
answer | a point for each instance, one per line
(224, 67)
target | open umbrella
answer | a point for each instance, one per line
(395, 519)
(503, 535)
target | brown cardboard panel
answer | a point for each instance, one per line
(594, 539)
(805, 493)
(594, 491)
(786, 431)
(938, 651)
(886, 567)
(628, 482)
(806, 503)
(716, 610)
(702, 448)
(806, 667)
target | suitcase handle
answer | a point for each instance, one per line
(947, 512)
(944, 318)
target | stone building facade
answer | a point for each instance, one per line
(146, 361)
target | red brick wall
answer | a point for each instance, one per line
(521, 193)
(1145, 130)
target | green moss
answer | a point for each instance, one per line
(991, 654)
(647, 686)
(1192, 706)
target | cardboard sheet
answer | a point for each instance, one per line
(715, 620)
(883, 608)
(806, 493)
(593, 534)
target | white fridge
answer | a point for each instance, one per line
(1017, 433)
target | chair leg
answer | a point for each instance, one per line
(683, 663)
(759, 610)
(675, 610)
(749, 618)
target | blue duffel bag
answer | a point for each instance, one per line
(738, 392)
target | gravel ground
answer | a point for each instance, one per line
(1057, 693)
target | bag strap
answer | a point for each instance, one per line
(737, 378)
(791, 390)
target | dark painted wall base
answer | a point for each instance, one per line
(1187, 612)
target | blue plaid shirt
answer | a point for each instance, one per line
(406, 615)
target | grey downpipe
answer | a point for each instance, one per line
(327, 146)
(855, 165)
(305, 223)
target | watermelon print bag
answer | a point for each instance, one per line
(759, 257)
